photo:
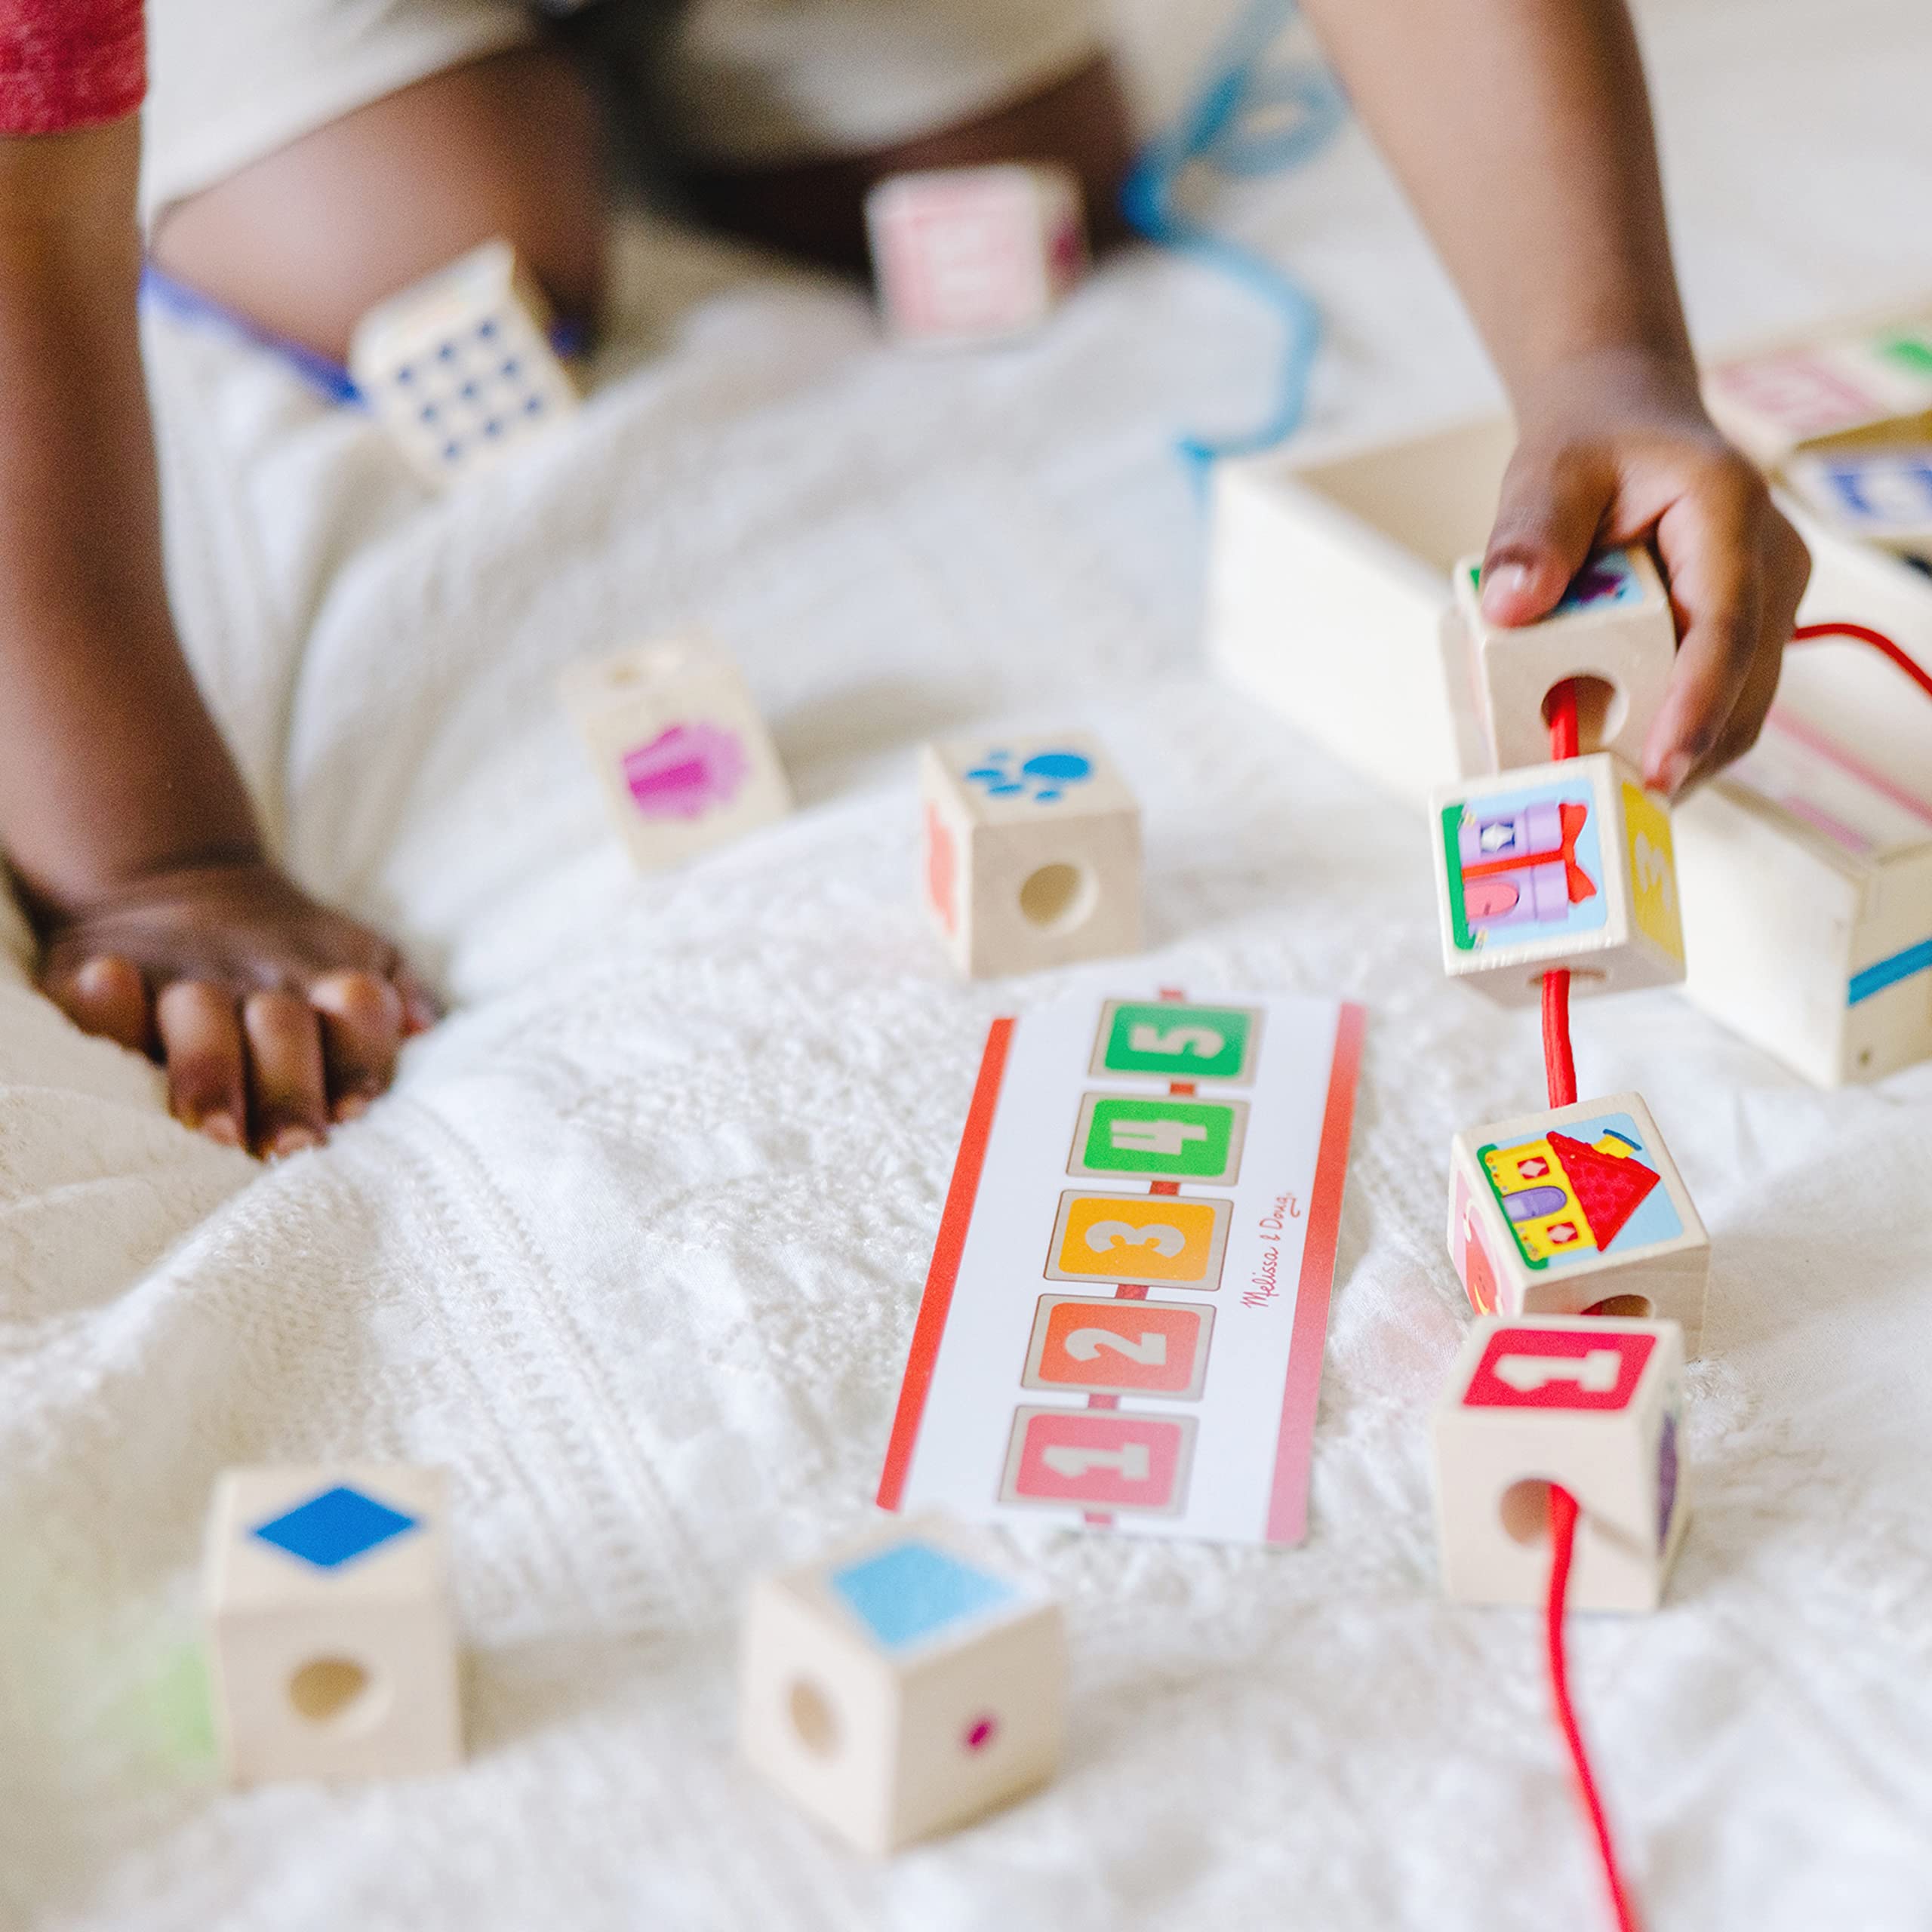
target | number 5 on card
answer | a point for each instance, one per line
(1175, 1041)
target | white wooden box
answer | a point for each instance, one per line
(1806, 878)
(902, 1684)
(1032, 852)
(1576, 1211)
(1566, 864)
(966, 255)
(683, 759)
(1591, 1403)
(1329, 595)
(458, 368)
(332, 1643)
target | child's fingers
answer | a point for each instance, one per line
(420, 1009)
(287, 1092)
(362, 1020)
(1735, 571)
(1546, 526)
(201, 1041)
(106, 996)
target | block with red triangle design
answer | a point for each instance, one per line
(1579, 1210)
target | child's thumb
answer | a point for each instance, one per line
(1545, 528)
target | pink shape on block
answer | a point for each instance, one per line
(686, 770)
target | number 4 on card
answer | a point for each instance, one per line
(1175, 1041)
(1171, 1138)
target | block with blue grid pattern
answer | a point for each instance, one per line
(460, 368)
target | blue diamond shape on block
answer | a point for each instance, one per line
(336, 1527)
(913, 1592)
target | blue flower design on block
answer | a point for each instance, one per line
(1044, 777)
(336, 1527)
(912, 1592)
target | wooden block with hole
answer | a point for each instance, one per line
(332, 1641)
(971, 255)
(458, 368)
(1576, 1211)
(1613, 635)
(1592, 1403)
(1032, 852)
(902, 1685)
(684, 761)
(1807, 871)
(1566, 864)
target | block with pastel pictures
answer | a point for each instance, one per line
(1874, 496)
(1577, 1210)
(903, 1683)
(967, 255)
(1612, 637)
(1031, 850)
(331, 1637)
(1594, 1403)
(1566, 864)
(683, 758)
(1873, 384)
(460, 367)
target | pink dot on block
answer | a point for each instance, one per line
(980, 1733)
(684, 772)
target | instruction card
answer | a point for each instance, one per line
(1124, 1322)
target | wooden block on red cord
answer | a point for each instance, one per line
(902, 1685)
(1575, 1211)
(966, 255)
(1613, 634)
(1590, 1402)
(1566, 864)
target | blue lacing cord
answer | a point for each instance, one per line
(1299, 107)
(328, 379)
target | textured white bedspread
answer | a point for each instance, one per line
(635, 1248)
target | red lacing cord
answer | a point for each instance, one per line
(1562, 1514)
(1878, 640)
(1560, 1067)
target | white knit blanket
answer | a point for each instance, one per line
(634, 1249)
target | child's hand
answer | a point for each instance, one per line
(1618, 450)
(274, 1016)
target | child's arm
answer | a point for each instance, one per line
(1521, 130)
(121, 814)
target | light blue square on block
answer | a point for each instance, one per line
(912, 1592)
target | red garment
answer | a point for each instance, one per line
(70, 63)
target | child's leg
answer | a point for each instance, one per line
(817, 208)
(777, 115)
(305, 239)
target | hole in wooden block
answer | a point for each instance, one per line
(1636, 1308)
(1601, 710)
(1525, 1509)
(330, 1690)
(813, 1718)
(1577, 973)
(1058, 897)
